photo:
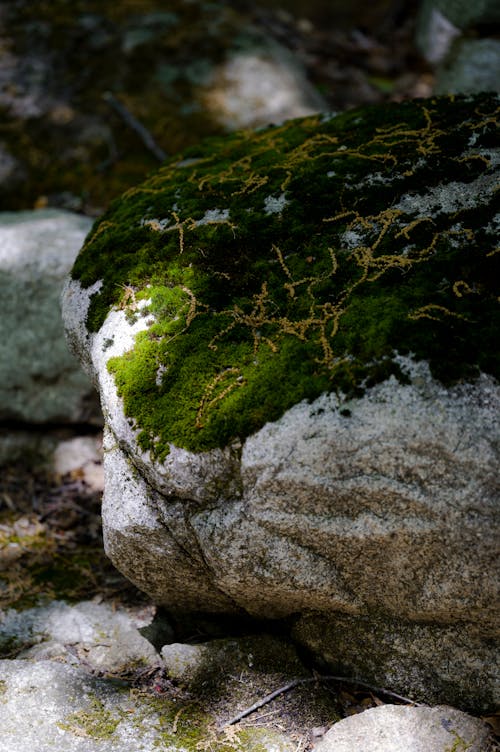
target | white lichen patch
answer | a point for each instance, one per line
(352, 239)
(451, 197)
(160, 372)
(167, 224)
(159, 225)
(190, 162)
(375, 178)
(75, 302)
(494, 226)
(490, 157)
(212, 216)
(327, 116)
(275, 204)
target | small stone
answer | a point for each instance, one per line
(183, 662)
(260, 82)
(82, 454)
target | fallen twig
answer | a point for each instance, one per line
(138, 127)
(308, 679)
(377, 690)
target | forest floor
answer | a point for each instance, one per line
(355, 66)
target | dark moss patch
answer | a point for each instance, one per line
(299, 259)
(43, 575)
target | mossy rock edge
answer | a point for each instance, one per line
(272, 266)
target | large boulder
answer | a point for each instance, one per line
(293, 336)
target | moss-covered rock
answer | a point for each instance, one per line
(270, 267)
(47, 705)
(293, 332)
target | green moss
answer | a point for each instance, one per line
(291, 261)
(96, 722)
(459, 744)
(190, 728)
(175, 726)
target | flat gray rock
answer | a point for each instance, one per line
(106, 640)
(395, 728)
(47, 706)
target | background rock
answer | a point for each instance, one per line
(472, 65)
(393, 728)
(337, 12)
(104, 640)
(91, 101)
(27, 445)
(259, 82)
(462, 14)
(457, 37)
(40, 381)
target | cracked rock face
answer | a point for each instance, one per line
(273, 446)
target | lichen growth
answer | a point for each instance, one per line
(173, 726)
(255, 310)
(96, 722)
(459, 744)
